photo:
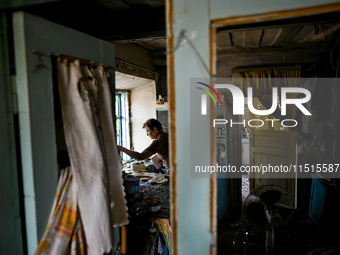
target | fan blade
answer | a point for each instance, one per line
(270, 197)
(273, 216)
(286, 214)
(255, 213)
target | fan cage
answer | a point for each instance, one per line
(253, 209)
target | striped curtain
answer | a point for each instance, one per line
(263, 81)
(64, 233)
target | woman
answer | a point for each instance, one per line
(158, 146)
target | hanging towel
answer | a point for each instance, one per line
(163, 226)
(64, 233)
(112, 157)
(95, 163)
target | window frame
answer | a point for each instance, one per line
(122, 114)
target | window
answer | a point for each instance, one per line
(162, 117)
(122, 121)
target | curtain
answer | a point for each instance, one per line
(95, 162)
(263, 81)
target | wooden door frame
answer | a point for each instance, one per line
(244, 20)
(214, 25)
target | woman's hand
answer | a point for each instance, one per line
(134, 154)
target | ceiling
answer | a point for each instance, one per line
(142, 22)
(110, 20)
(292, 41)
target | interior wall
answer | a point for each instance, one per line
(135, 55)
(36, 109)
(141, 60)
(193, 19)
(143, 105)
(11, 221)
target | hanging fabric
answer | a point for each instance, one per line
(263, 81)
(95, 162)
(64, 233)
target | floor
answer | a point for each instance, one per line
(298, 237)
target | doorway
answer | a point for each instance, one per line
(268, 46)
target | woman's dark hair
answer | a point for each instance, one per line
(151, 123)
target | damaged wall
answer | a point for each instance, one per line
(135, 55)
(193, 19)
(143, 102)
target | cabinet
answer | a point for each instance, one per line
(322, 209)
(162, 117)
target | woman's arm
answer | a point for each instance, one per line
(134, 154)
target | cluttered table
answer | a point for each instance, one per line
(148, 201)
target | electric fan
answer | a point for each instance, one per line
(268, 208)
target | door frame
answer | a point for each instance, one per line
(244, 20)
